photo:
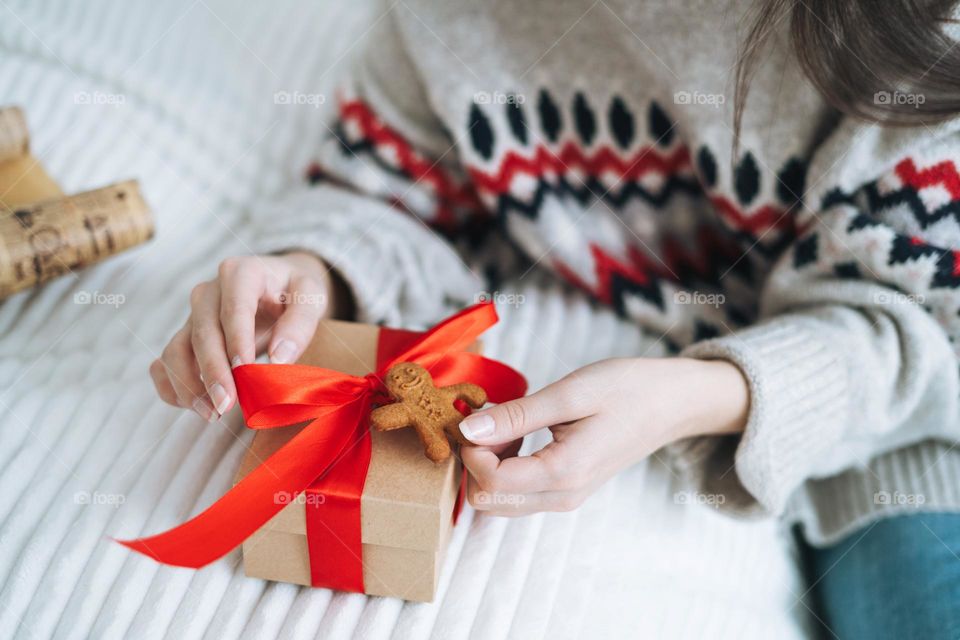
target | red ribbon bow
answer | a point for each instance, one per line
(331, 454)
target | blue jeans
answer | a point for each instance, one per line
(895, 578)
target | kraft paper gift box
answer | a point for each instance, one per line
(407, 505)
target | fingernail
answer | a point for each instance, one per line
(236, 362)
(220, 398)
(203, 409)
(283, 352)
(477, 426)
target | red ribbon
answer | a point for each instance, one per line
(331, 455)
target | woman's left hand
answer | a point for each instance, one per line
(604, 417)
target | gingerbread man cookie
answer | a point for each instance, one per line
(426, 408)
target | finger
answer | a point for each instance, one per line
(562, 401)
(513, 475)
(160, 380)
(305, 303)
(569, 463)
(242, 284)
(209, 347)
(184, 374)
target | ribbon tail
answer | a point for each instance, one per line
(254, 500)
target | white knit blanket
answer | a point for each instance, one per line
(87, 451)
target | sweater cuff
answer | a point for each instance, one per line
(798, 387)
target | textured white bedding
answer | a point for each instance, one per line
(87, 451)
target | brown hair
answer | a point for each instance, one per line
(887, 61)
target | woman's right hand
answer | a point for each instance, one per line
(255, 303)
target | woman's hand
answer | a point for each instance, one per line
(255, 302)
(604, 417)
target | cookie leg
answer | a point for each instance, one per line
(435, 444)
(439, 449)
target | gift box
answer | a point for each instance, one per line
(408, 502)
(321, 498)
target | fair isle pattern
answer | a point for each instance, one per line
(360, 132)
(517, 181)
(573, 159)
(516, 175)
(652, 167)
(930, 194)
(900, 230)
(573, 165)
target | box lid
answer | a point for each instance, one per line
(407, 498)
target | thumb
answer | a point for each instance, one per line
(514, 419)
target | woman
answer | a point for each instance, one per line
(795, 245)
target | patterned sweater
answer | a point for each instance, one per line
(477, 142)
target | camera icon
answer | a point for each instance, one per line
(682, 97)
(281, 97)
(882, 97)
(82, 297)
(82, 97)
(682, 297)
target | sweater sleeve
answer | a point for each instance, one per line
(855, 354)
(387, 195)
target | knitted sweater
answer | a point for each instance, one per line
(476, 142)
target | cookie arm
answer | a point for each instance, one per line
(472, 394)
(390, 417)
